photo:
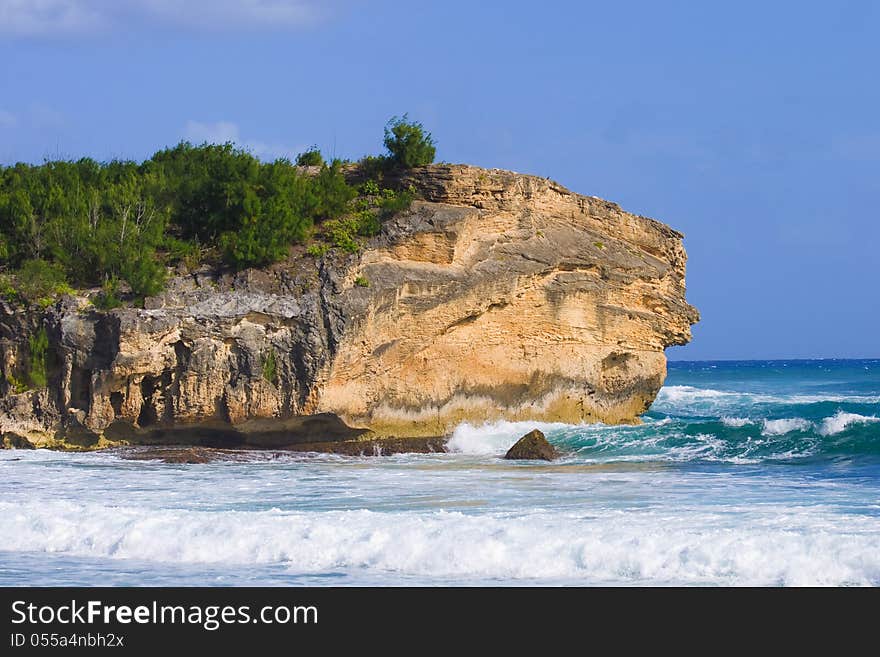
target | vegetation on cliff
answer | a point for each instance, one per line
(408, 142)
(120, 224)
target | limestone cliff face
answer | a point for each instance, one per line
(497, 296)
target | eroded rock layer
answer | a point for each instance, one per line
(497, 296)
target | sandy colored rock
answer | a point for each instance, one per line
(499, 295)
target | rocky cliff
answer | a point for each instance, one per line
(497, 296)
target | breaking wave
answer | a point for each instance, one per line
(784, 425)
(793, 547)
(841, 421)
(732, 439)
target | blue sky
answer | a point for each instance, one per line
(752, 127)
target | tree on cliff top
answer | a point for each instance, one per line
(408, 144)
(310, 158)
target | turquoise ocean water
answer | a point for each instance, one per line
(743, 473)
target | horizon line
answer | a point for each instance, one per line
(756, 360)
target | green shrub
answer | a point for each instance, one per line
(330, 194)
(7, 289)
(317, 250)
(393, 202)
(38, 281)
(108, 298)
(260, 241)
(178, 250)
(144, 274)
(342, 233)
(310, 158)
(360, 281)
(270, 367)
(374, 167)
(206, 187)
(39, 348)
(408, 144)
(370, 188)
(368, 224)
(16, 385)
(361, 203)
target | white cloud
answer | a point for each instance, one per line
(220, 132)
(78, 17)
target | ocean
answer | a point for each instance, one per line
(742, 473)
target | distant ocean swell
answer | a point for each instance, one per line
(681, 397)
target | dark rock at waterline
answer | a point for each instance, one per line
(384, 447)
(14, 441)
(200, 454)
(532, 447)
(184, 455)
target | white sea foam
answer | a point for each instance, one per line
(841, 420)
(735, 421)
(495, 437)
(685, 394)
(784, 425)
(830, 426)
(792, 545)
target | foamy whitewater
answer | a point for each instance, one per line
(743, 473)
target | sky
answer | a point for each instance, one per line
(751, 127)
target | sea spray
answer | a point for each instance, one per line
(842, 420)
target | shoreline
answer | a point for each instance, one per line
(194, 453)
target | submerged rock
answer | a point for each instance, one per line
(184, 455)
(383, 447)
(532, 447)
(495, 296)
(197, 455)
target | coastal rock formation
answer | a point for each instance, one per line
(532, 447)
(498, 295)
